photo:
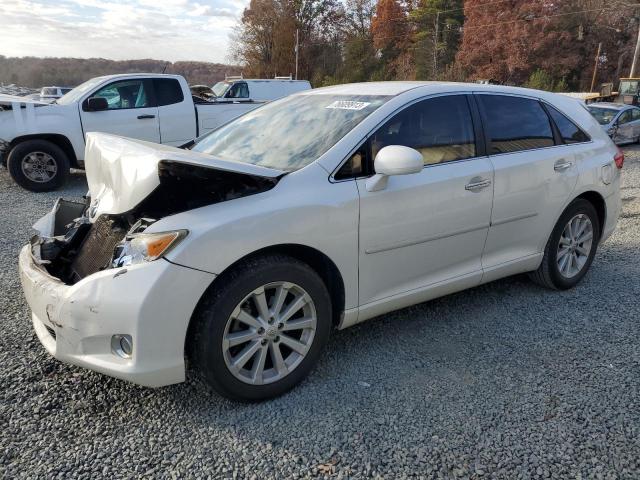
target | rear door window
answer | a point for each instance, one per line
(515, 124)
(569, 131)
(168, 91)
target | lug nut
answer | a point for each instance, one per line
(263, 342)
(281, 325)
(277, 339)
(260, 331)
(270, 320)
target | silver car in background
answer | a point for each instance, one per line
(621, 122)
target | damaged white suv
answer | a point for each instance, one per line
(241, 252)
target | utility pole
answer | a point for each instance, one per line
(297, 49)
(635, 66)
(435, 45)
(595, 68)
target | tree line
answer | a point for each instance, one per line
(538, 43)
(37, 72)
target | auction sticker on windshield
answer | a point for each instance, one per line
(348, 105)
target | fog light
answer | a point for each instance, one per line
(122, 345)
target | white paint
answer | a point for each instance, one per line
(418, 237)
(169, 124)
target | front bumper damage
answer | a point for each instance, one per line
(152, 302)
(82, 299)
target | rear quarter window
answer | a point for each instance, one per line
(569, 131)
(168, 91)
(515, 123)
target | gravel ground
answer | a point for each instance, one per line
(506, 380)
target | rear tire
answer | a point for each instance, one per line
(568, 253)
(251, 369)
(38, 165)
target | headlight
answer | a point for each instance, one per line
(146, 247)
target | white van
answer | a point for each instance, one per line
(258, 90)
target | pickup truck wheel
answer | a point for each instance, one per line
(38, 165)
(262, 328)
(570, 248)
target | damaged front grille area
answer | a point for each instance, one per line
(70, 247)
(96, 251)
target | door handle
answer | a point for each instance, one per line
(477, 184)
(562, 165)
(144, 117)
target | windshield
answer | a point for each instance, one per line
(629, 88)
(75, 94)
(220, 88)
(604, 116)
(291, 133)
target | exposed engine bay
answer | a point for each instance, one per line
(71, 246)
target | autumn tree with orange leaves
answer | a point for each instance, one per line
(390, 36)
(540, 43)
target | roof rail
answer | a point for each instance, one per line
(288, 77)
(233, 77)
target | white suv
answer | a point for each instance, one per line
(320, 210)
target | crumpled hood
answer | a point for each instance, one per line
(121, 172)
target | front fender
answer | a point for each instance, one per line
(304, 209)
(32, 120)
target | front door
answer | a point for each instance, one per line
(430, 227)
(628, 126)
(131, 113)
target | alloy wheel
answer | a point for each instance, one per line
(575, 245)
(39, 167)
(269, 333)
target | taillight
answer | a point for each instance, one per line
(619, 158)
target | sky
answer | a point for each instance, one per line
(119, 29)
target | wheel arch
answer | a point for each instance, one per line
(57, 139)
(317, 260)
(598, 202)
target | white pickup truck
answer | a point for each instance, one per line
(40, 142)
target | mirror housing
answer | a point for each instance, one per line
(96, 104)
(394, 160)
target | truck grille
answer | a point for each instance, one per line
(96, 250)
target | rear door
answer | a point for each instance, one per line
(429, 227)
(131, 112)
(534, 175)
(176, 112)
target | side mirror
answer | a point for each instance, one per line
(96, 104)
(394, 160)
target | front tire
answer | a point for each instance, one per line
(571, 247)
(38, 165)
(261, 328)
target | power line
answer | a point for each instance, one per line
(519, 20)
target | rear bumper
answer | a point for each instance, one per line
(152, 302)
(614, 206)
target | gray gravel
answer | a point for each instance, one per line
(506, 380)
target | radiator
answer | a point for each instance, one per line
(96, 251)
